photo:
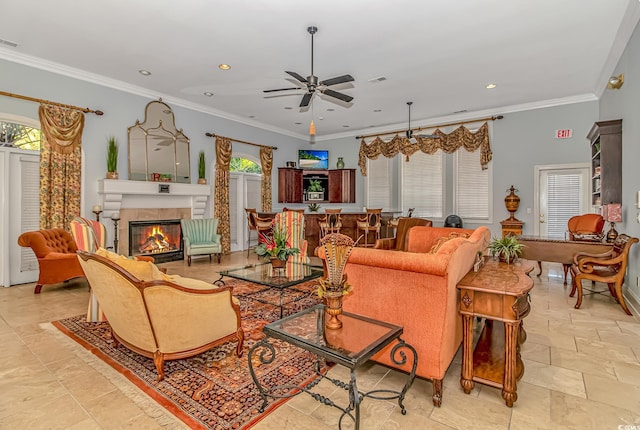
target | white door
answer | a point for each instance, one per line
(563, 191)
(24, 214)
(244, 192)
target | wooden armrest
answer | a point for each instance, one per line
(580, 255)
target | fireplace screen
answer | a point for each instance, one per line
(161, 239)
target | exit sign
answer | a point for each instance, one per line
(563, 134)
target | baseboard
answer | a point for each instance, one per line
(633, 302)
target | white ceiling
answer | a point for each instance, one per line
(438, 54)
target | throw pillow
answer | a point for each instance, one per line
(143, 270)
(442, 240)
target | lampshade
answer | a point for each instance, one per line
(613, 212)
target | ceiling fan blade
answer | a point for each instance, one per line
(297, 76)
(306, 99)
(282, 89)
(338, 80)
(337, 95)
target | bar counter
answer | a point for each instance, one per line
(349, 218)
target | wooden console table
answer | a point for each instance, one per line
(498, 292)
(537, 248)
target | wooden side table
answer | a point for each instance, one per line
(498, 292)
(511, 227)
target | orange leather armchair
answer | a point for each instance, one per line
(586, 227)
(56, 253)
(398, 243)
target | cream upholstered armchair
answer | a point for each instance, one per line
(160, 316)
(201, 238)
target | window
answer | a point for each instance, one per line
(16, 135)
(379, 182)
(238, 164)
(422, 184)
(471, 185)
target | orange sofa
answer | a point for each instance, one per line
(56, 253)
(416, 289)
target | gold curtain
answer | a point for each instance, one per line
(221, 198)
(60, 165)
(266, 159)
(449, 143)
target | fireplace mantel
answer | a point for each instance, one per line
(119, 194)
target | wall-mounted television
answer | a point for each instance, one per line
(313, 159)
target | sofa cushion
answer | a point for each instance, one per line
(143, 270)
(442, 240)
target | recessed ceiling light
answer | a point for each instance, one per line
(460, 111)
(208, 94)
(144, 72)
(288, 107)
(297, 123)
(377, 110)
(330, 110)
(321, 118)
(345, 126)
(377, 79)
(252, 116)
(491, 86)
(224, 66)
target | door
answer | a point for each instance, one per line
(24, 214)
(244, 192)
(563, 191)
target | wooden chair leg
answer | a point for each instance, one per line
(578, 282)
(219, 257)
(621, 301)
(209, 258)
(38, 289)
(189, 261)
(437, 392)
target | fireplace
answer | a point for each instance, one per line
(160, 239)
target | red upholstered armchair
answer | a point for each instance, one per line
(586, 227)
(56, 253)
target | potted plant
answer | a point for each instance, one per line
(506, 248)
(112, 158)
(315, 190)
(276, 246)
(202, 168)
(314, 207)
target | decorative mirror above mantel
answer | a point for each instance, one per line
(158, 151)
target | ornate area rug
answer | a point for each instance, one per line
(213, 390)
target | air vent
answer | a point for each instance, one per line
(378, 79)
(9, 43)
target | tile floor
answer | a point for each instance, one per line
(582, 372)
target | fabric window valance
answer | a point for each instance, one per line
(449, 143)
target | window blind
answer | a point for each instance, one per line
(471, 186)
(423, 184)
(564, 193)
(379, 182)
(30, 209)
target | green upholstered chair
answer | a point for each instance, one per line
(201, 238)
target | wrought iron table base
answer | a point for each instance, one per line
(267, 355)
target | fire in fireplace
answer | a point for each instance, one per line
(161, 239)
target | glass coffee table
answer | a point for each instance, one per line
(264, 274)
(351, 346)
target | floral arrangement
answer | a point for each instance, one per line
(275, 245)
(337, 248)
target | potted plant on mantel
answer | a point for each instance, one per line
(112, 158)
(506, 248)
(202, 169)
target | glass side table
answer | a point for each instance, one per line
(350, 346)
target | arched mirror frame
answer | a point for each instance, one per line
(158, 133)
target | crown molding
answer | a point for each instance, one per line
(71, 72)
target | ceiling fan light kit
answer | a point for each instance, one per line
(312, 84)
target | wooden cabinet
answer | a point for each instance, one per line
(605, 140)
(342, 186)
(289, 185)
(339, 185)
(511, 228)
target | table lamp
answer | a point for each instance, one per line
(613, 214)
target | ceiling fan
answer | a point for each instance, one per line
(312, 85)
(409, 132)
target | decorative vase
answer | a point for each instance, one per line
(202, 181)
(333, 301)
(112, 175)
(340, 163)
(512, 201)
(276, 263)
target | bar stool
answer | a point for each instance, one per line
(264, 225)
(331, 223)
(251, 226)
(369, 223)
(300, 211)
(392, 224)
